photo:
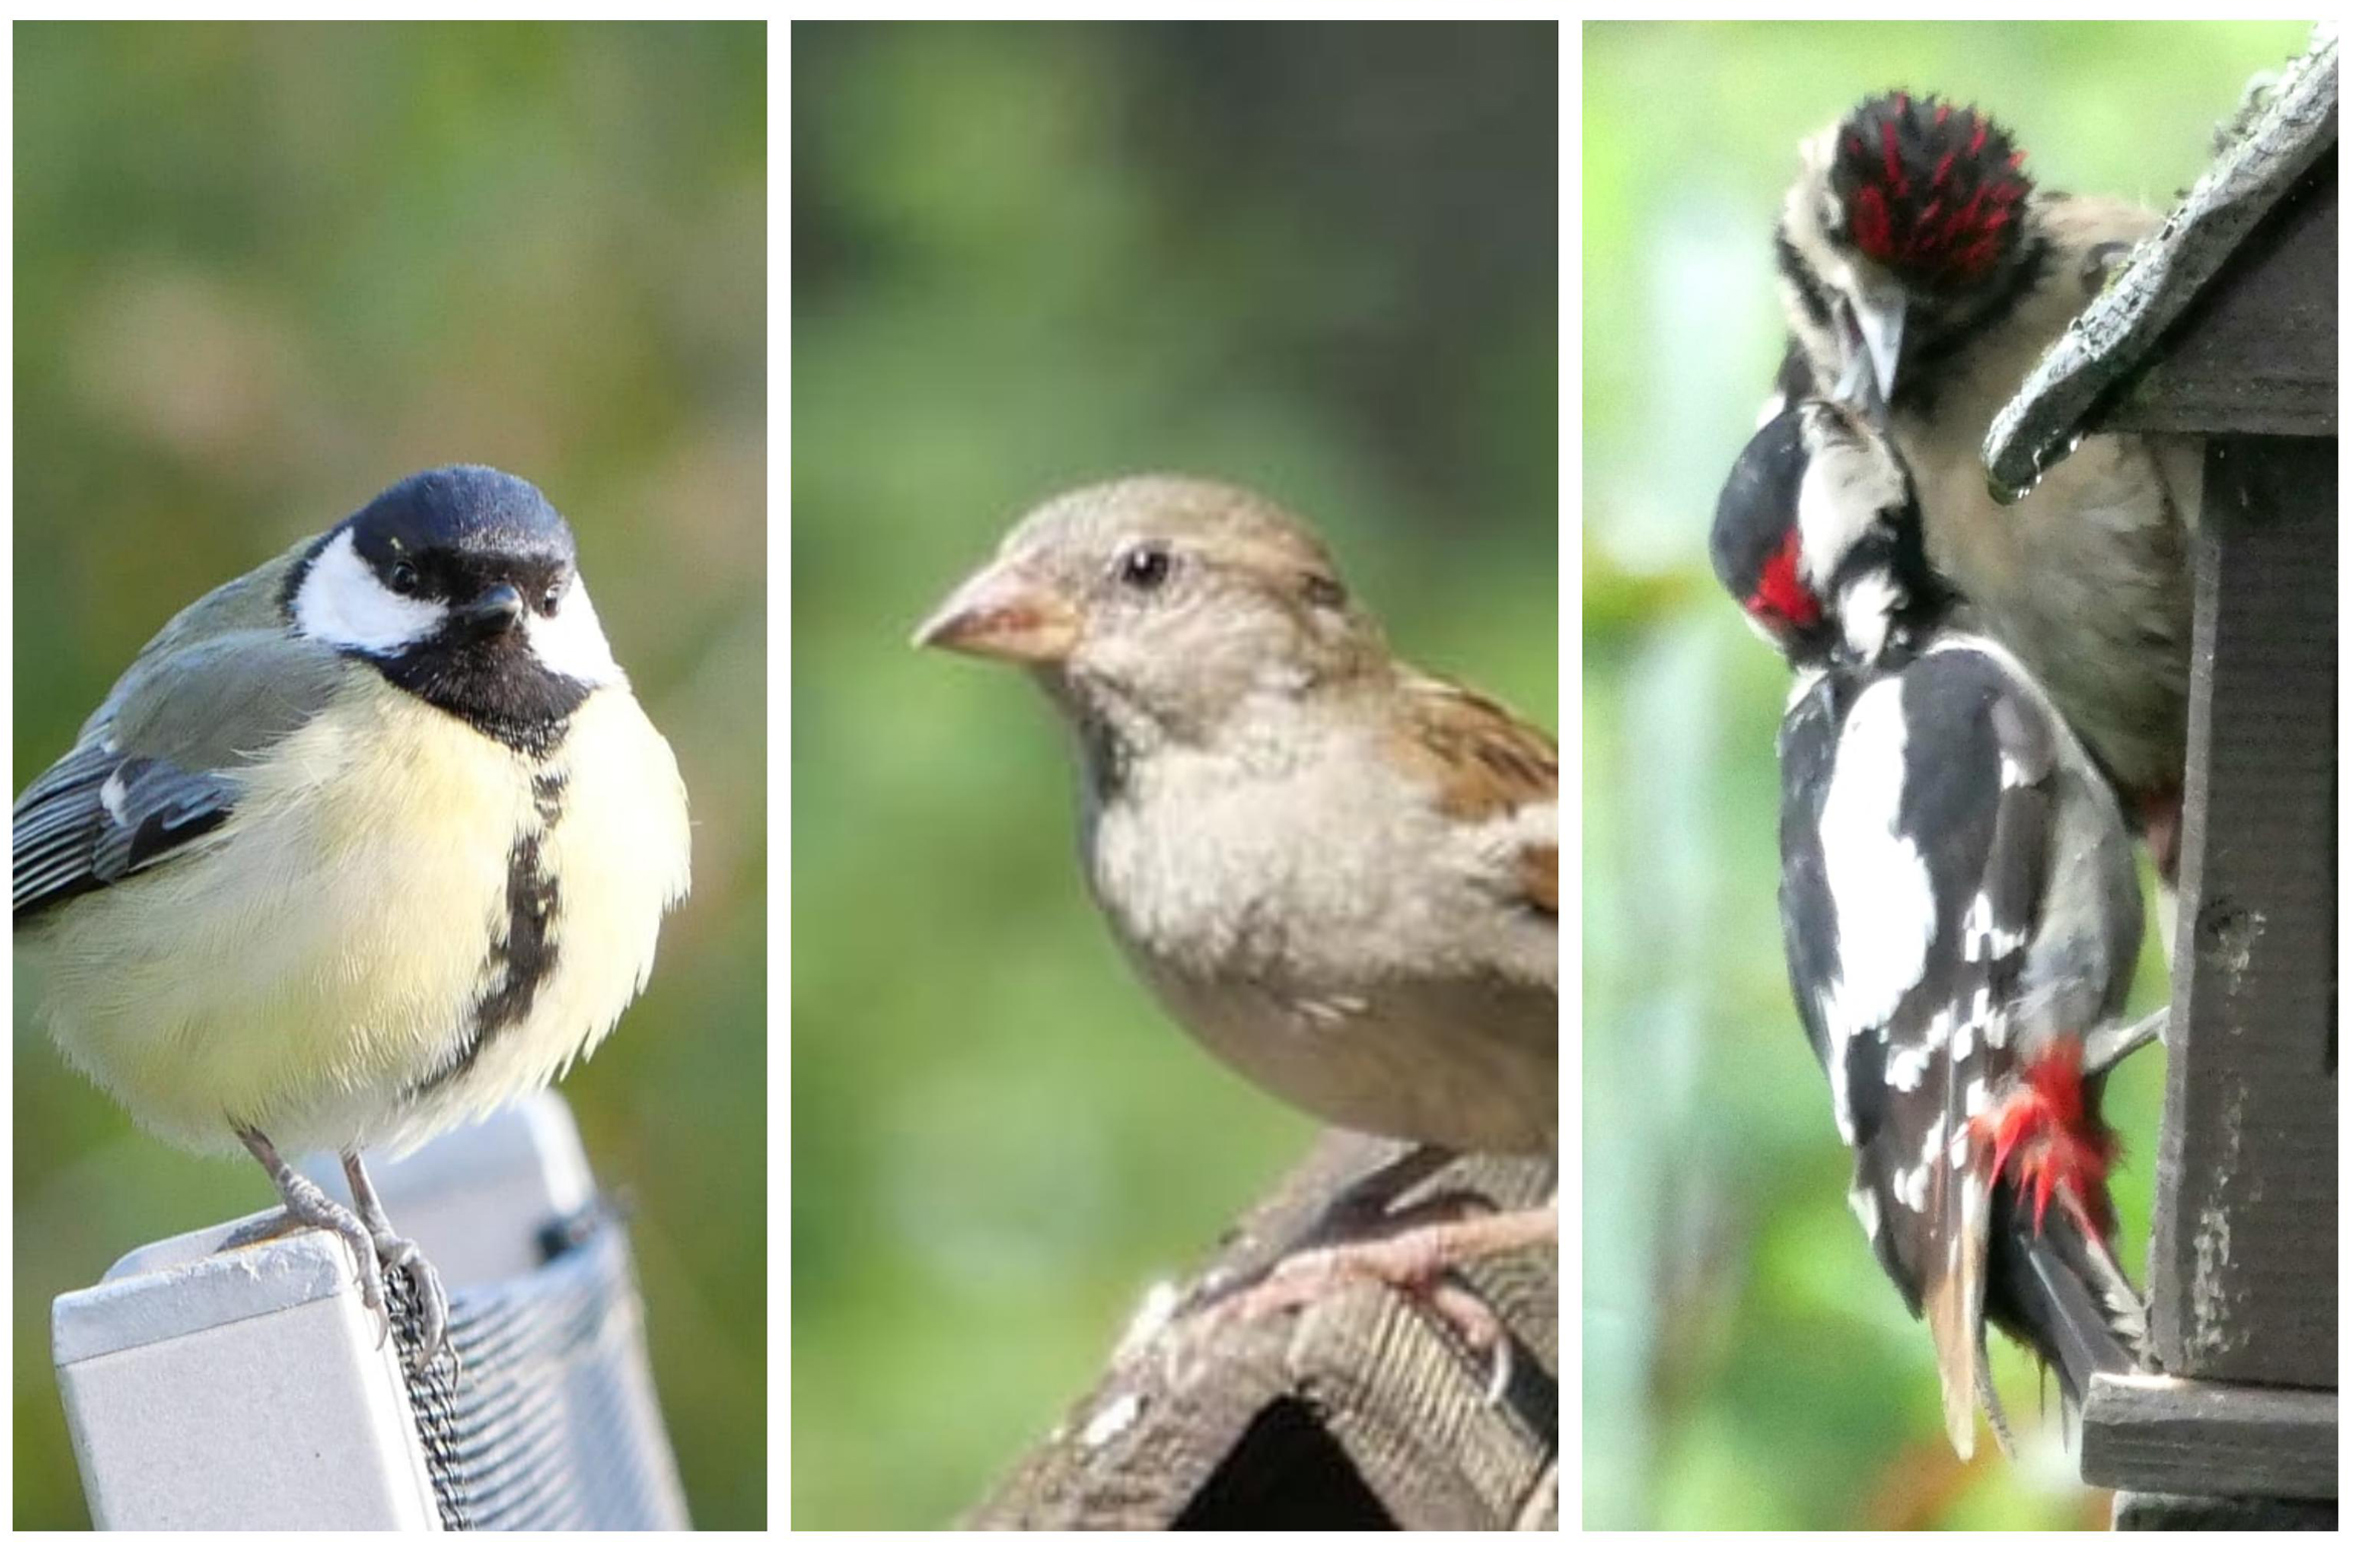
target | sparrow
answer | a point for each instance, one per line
(1336, 872)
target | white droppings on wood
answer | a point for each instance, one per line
(1114, 1418)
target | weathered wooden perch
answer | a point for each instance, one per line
(1359, 1411)
(2224, 326)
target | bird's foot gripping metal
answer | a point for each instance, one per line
(308, 1205)
(376, 1250)
(2107, 1049)
(394, 1252)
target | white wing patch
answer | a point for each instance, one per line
(1981, 939)
(342, 603)
(1840, 1044)
(1906, 1062)
(112, 796)
(1885, 903)
(1865, 1205)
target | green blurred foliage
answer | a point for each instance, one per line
(1318, 260)
(261, 273)
(1745, 1362)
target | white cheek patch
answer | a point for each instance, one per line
(1845, 486)
(343, 603)
(1867, 609)
(570, 643)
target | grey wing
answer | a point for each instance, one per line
(98, 815)
(160, 764)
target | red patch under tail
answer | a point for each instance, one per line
(2046, 1140)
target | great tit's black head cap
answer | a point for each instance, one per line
(466, 510)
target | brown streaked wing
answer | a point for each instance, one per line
(1484, 761)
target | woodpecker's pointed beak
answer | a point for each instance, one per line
(1000, 613)
(1871, 327)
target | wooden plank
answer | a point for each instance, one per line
(2276, 140)
(2149, 1433)
(2257, 350)
(2244, 1249)
(2150, 1512)
(1356, 1412)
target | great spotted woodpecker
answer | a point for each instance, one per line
(1923, 277)
(1961, 911)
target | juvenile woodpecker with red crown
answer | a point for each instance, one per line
(1961, 911)
(1924, 276)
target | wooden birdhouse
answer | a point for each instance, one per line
(2223, 327)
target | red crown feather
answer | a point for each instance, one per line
(1929, 190)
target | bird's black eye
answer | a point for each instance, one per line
(1145, 567)
(1323, 592)
(403, 579)
(550, 597)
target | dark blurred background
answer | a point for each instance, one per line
(1745, 1363)
(261, 273)
(1317, 260)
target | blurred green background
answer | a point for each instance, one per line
(1745, 1363)
(1317, 260)
(261, 273)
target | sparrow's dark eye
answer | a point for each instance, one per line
(550, 598)
(1145, 567)
(403, 579)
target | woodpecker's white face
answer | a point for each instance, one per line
(1851, 478)
(460, 588)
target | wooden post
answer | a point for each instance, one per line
(1360, 1411)
(2224, 328)
(2244, 1250)
(2242, 1431)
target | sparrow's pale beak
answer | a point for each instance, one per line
(1002, 614)
(1871, 329)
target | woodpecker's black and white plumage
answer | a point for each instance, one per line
(1923, 277)
(1960, 905)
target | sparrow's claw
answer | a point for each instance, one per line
(1416, 1260)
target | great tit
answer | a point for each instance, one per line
(364, 845)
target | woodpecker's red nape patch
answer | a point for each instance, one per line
(1935, 192)
(2049, 1143)
(1780, 595)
